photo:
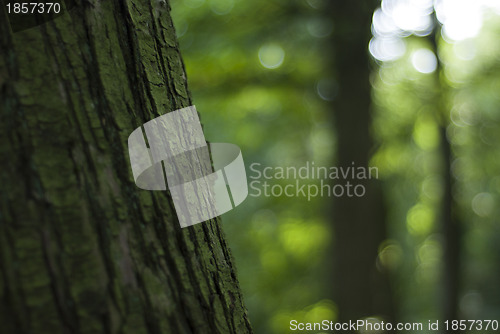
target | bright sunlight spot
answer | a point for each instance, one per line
(271, 55)
(461, 19)
(424, 61)
(396, 19)
(387, 48)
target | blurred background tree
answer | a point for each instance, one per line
(360, 288)
(278, 78)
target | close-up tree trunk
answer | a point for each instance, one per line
(82, 249)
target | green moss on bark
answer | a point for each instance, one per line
(82, 249)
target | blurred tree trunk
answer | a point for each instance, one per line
(360, 288)
(451, 231)
(82, 249)
(450, 224)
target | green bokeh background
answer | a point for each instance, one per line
(257, 73)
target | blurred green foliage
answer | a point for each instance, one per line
(409, 158)
(256, 70)
(253, 69)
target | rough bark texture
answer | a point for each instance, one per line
(360, 288)
(82, 249)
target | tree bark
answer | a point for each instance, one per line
(82, 249)
(360, 288)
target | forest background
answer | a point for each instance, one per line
(268, 76)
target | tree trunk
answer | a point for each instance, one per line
(82, 249)
(451, 226)
(360, 288)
